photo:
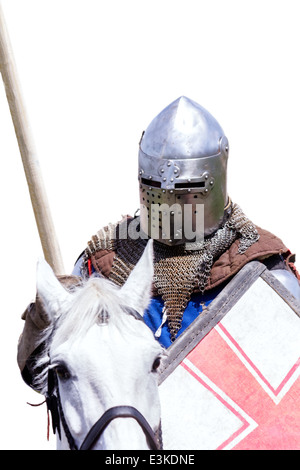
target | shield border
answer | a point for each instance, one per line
(217, 310)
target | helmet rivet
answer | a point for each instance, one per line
(164, 179)
(189, 190)
(150, 177)
(169, 163)
(206, 177)
(211, 183)
(162, 170)
(163, 190)
(172, 212)
(172, 179)
(171, 191)
(206, 190)
(189, 180)
(175, 171)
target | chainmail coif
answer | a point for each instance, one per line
(178, 274)
(177, 270)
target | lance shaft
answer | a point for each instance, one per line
(30, 161)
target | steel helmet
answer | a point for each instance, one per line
(182, 164)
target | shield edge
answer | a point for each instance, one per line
(217, 310)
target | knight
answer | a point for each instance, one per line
(201, 237)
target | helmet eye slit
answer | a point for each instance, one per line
(152, 183)
(196, 184)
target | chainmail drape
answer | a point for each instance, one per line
(177, 271)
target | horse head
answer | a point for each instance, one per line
(100, 360)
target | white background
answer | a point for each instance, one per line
(94, 74)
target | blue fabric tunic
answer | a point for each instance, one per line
(153, 315)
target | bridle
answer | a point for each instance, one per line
(119, 412)
(55, 407)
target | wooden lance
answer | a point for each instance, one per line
(30, 161)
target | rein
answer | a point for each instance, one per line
(55, 407)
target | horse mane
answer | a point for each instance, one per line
(97, 300)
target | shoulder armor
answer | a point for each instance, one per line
(289, 281)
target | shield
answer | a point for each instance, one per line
(231, 380)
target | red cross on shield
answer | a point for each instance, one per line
(238, 387)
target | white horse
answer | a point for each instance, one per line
(100, 360)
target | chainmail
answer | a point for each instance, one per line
(177, 271)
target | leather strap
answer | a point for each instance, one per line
(119, 412)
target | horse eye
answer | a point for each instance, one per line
(62, 372)
(156, 364)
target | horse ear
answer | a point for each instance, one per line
(49, 290)
(138, 287)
